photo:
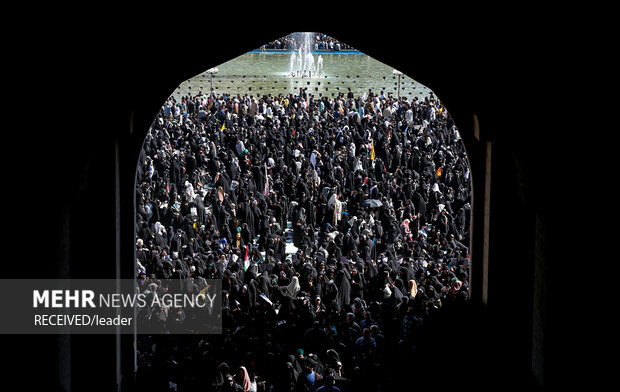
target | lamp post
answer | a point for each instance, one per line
(396, 72)
(212, 72)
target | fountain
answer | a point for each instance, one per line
(309, 65)
(319, 67)
(302, 60)
(293, 64)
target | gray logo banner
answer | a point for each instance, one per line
(108, 306)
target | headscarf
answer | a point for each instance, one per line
(246, 379)
(293, 288)
(224, 368)
(292, 375)
(413, 288)
(344, 288)
(264, 284)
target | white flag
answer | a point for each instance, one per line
(266, 191)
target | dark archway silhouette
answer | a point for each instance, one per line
(472, 75)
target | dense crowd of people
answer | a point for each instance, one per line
(338, 225)
(320, 41)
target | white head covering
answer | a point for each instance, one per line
(387, 292)
(293, 288)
